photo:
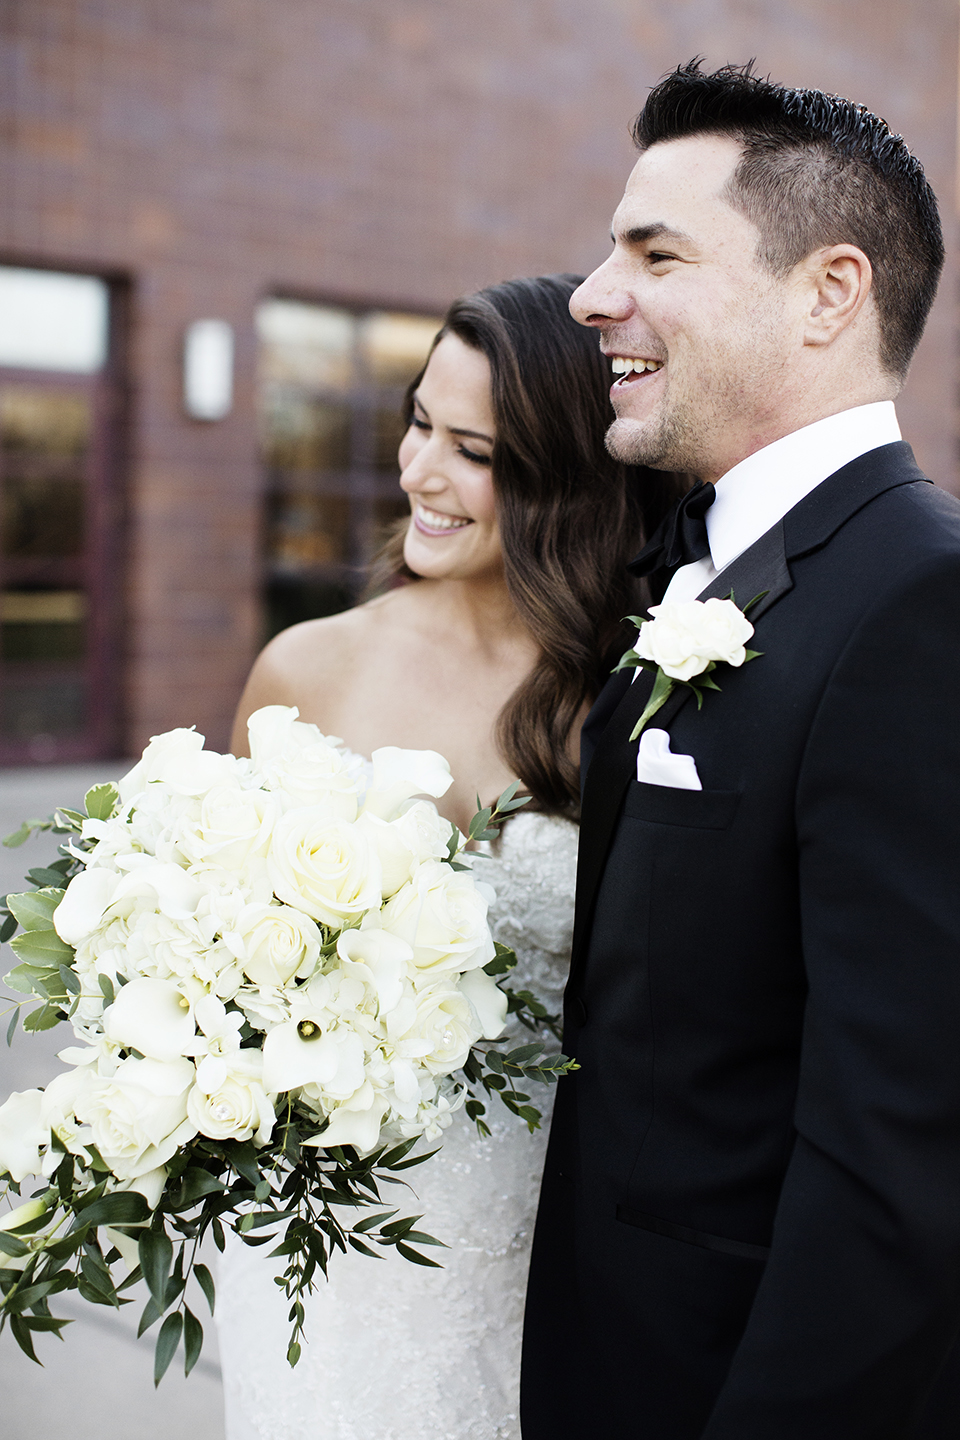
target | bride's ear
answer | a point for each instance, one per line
(837, 284)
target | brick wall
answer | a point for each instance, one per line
(390, 151)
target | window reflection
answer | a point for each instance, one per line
(331, 386)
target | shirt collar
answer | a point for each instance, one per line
(758, 492)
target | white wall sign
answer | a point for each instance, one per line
(208, 370)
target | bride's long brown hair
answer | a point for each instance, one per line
(570, 516)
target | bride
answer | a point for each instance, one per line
(506, 589)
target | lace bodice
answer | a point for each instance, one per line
(396, 1352)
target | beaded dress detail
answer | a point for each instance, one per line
(395, 1351)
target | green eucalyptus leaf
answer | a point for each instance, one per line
(155, 1251)
(416, 1257)
(73, 816)
(151, 1314)
(23, 978)
(194, 1185)
(10, 1245)
(205, 1280)
(167, 1342)
(43, 947)
(192, 1339)
(42, 876)
(70, 979)
(358, 1244)
(34, 908)
(122, 1207)
(101, 801)
(43, 1019)
(21, 1334)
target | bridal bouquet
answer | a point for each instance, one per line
(281, 977)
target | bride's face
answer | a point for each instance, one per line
(445, 460)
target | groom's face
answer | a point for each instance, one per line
(708, 334)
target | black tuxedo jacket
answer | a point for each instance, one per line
(750, 1219)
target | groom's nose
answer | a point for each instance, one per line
(602, 299)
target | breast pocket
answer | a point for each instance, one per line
(694, 809)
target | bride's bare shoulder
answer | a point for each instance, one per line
(313, 664)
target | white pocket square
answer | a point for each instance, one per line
(657, 765)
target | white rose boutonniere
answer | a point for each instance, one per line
(683, 643)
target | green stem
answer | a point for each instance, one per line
(662, 690)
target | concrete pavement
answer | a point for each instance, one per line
(98, 1383)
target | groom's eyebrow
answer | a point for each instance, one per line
(641, 234)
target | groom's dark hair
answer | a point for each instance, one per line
(816, 170)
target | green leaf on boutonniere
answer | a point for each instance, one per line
(663, 688)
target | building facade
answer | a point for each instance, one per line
(320, 178)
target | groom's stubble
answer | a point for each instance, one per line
(712, 391)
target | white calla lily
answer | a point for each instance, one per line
(487, 999)
(81, 909)
(152, 1016)
(22, 1134)
(384, 956)
(359, 1128)
(300, 1052)
(23, 1214)
(399, 775)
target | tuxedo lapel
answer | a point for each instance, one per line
(760, 570)
(763, 571)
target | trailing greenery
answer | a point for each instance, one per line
(304, 1202)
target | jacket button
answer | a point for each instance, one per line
(580, 1011)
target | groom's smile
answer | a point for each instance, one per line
(694, 326)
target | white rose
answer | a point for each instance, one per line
(228, 1101)
(325, 867)
(396, 859)
(232, 827)
(398, 775)
(443, 917)
(443, 1028)
(424, 831)
(22, 1134)
(152, 1016)
(403, 844)
(724, 630)
(138, 1119)
(274, 942)
(303, 766)
(684, 638)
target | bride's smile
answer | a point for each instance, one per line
(435, 522)
(445, 459)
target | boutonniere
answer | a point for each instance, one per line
(684, 643)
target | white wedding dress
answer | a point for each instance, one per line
(395, 1351)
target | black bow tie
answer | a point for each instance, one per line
(681, 536)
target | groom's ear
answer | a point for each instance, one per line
(837, 282)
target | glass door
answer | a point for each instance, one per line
(58, 651)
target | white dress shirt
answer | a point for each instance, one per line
(758, 492)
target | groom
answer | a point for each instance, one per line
(750, 1219)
